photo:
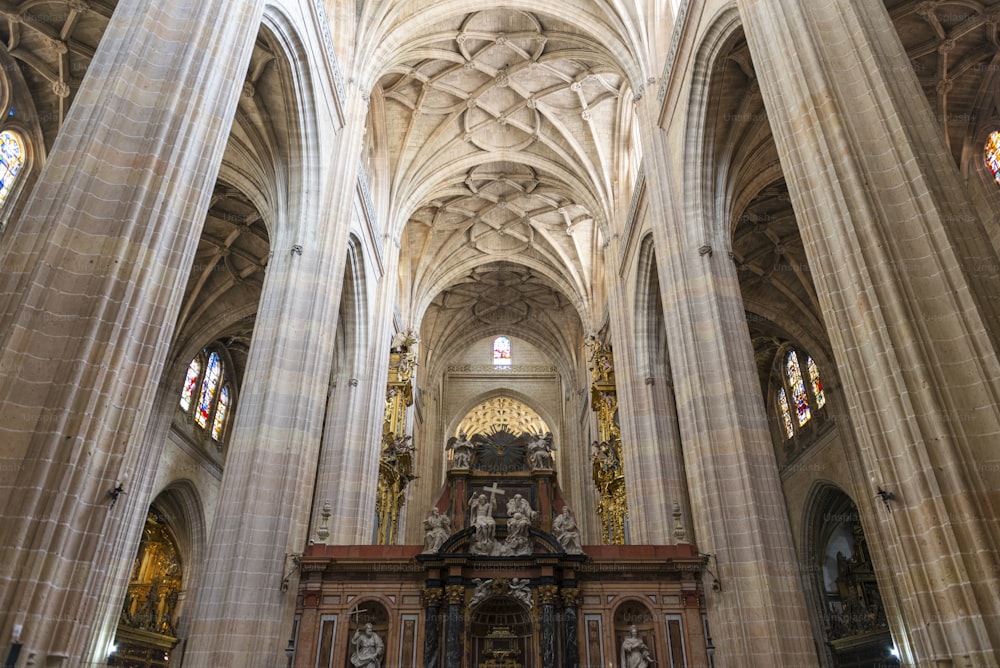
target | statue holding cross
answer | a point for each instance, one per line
(481, 511)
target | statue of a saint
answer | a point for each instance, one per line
(462, 449)
(437, 529)
(368, 648)
(567, 532)
(635, 654)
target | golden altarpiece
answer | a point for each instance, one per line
(502, 581)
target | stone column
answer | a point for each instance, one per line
(547, 596)
(654, 464)
(454, 627)
(907, 280)
(571, 646)
(432, 627)
(737, 508)
(90, 290)
(243, 611)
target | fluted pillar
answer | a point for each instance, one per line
(907, 280)
(90, 290)
(759, 617)
(244, 607)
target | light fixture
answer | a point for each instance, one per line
(716, 585)
(886, 498)
(893, 652)
(118, 490)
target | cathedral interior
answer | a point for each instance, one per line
(445, 334)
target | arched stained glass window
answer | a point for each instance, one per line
(799, 394)
(209, 387)
(786, 416)
(991, 154)
(221, 411)
(208, 394)
(798, 388)
(11, 160)
(816, 382)
(501, 352)
(190, 384)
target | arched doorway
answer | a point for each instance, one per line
(501, 637)
(851, 613)
(147, 626)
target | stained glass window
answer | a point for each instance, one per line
(221, 411)
(501, 352)
(785, 415)
(208, 389)
(798, 388)
(190, 383)
(816, 382)
(11, 159)
(991, 154)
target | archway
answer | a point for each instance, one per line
(500, 630)
(851, 610)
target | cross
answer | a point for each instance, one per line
(356, 612)
(494, 490)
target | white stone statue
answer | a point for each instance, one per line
(462, 449)
(481, 511)
(483, 589)
(518, 542)
(635, 654)
(567, 532)
(519, 504)
(519, 589)
(437, 530)
(540, 451)
(368, 648)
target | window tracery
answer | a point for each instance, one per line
(991, 154)
(501, 352)
(11, 161)
(798, 400)
(208, 381)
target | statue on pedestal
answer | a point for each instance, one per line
(540, 451)
(462, 449)
(567, 532)
(437, 529)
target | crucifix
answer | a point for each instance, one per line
(494, 490)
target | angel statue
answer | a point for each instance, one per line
(404, 340)
(461, 448)
(540, 451)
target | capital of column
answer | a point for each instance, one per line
(455, 594)
(570, 597)
(432, 597)
(547, 594)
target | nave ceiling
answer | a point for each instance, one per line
(507, 146)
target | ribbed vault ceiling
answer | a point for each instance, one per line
(505, 133)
